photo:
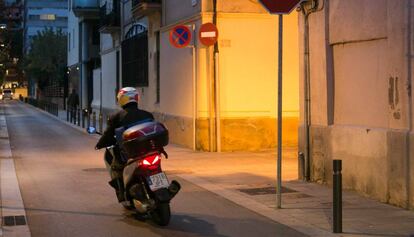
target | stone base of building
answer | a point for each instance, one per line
(238, 134)
(376, 162)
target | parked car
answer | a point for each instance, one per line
(7, 94)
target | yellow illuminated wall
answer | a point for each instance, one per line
(247, 83)
(248, 65)
(248, 80)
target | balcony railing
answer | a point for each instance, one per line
(110, 17)
(85, 8)
(145, 7)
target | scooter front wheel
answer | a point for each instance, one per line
(162, 214)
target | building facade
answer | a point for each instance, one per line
(83, 48)
(10, 40)
(360, 101)
(39, 15)
(227, 105)
(106, 79)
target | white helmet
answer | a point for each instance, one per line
(127, 95)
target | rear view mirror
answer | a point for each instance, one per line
(91, 130)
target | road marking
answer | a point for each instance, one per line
(11, 198)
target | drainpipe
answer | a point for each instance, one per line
(100, 93)
(216, 85)
(410, 103)
(307, 87)
(194, 91)
(306, 167)
(121, 38)
(80, 65)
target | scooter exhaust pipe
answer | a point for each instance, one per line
(174, 188)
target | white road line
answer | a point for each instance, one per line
(11, 198)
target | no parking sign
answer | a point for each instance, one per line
(180, 36)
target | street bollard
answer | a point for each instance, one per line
(94, 119)
(89, 119)
(100, 122)
(337, 196)
(67, 115)
(72, 115)
(79, 116)
(83, 118)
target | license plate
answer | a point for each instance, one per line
(158, 181)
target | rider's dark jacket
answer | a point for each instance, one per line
(129, 115)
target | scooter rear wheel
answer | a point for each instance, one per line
(162, 214)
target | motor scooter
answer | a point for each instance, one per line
(147, 190)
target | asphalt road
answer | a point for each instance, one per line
(65, 191)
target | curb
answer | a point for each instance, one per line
(12, 211)
(62, 121)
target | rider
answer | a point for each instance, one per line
(128, 99)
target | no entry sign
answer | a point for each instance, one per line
(180, 36)
(280, 6)
(208, 34)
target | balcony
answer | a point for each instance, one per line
(110, 17)
(142, 8)
(86, 8)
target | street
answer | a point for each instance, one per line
(278, 118)
(65, 192)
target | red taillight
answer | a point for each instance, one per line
(151, 161)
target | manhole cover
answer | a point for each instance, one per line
(265, 190)
(95, 170)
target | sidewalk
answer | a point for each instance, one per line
(62, 115)
(249, 178)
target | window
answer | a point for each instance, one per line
(34, 17)
(61, 18)
(96, 35)
(48, 17)
(135, 57)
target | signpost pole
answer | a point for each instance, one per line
(279, 116)
(279, 7)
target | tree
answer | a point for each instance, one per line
(47, 57)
